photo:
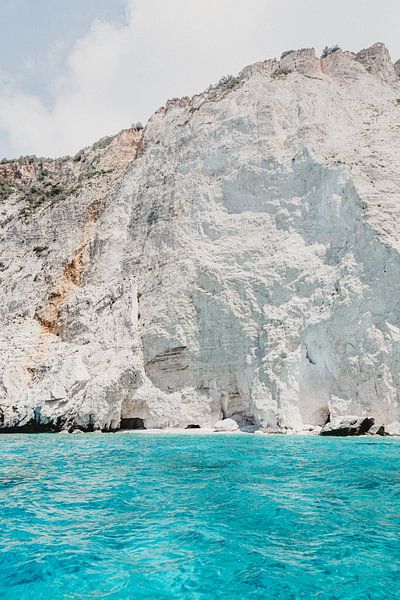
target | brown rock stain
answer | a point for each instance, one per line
(123, 149)
(72, 275)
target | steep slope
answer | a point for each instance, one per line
(239, 257)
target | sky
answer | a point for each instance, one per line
(73, 71)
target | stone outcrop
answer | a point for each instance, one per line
(237, 258)
(226, 425)
(378, 62)
(349, 426)
(377, 429)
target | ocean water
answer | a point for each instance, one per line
(199, 517)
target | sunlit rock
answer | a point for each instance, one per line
(226, 425)
(238, 257)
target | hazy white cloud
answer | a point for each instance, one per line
(118, 74)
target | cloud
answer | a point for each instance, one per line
(118, 74)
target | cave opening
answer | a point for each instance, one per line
(132, 423)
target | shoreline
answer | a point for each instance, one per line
(192, 432)
(257, 433)
(182, 431)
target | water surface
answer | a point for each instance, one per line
(199, 517)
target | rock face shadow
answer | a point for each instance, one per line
(133, 423)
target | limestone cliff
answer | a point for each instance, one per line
(237, 257)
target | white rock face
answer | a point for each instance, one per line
(238, 258)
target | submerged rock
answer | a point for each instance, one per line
(347, 426)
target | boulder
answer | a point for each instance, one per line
(312, 429)
(226, 425)
(377, 430)
(348, 425)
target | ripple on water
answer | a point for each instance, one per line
(199, 517)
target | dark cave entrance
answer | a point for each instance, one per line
(134, 423)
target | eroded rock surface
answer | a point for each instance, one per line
(237, 258)
(226, 425)
(349, 426)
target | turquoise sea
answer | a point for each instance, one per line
(199, 517)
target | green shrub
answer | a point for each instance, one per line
(327, 51)
(280, 73)
(286, 53)
(5, 189)
(103, 143)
